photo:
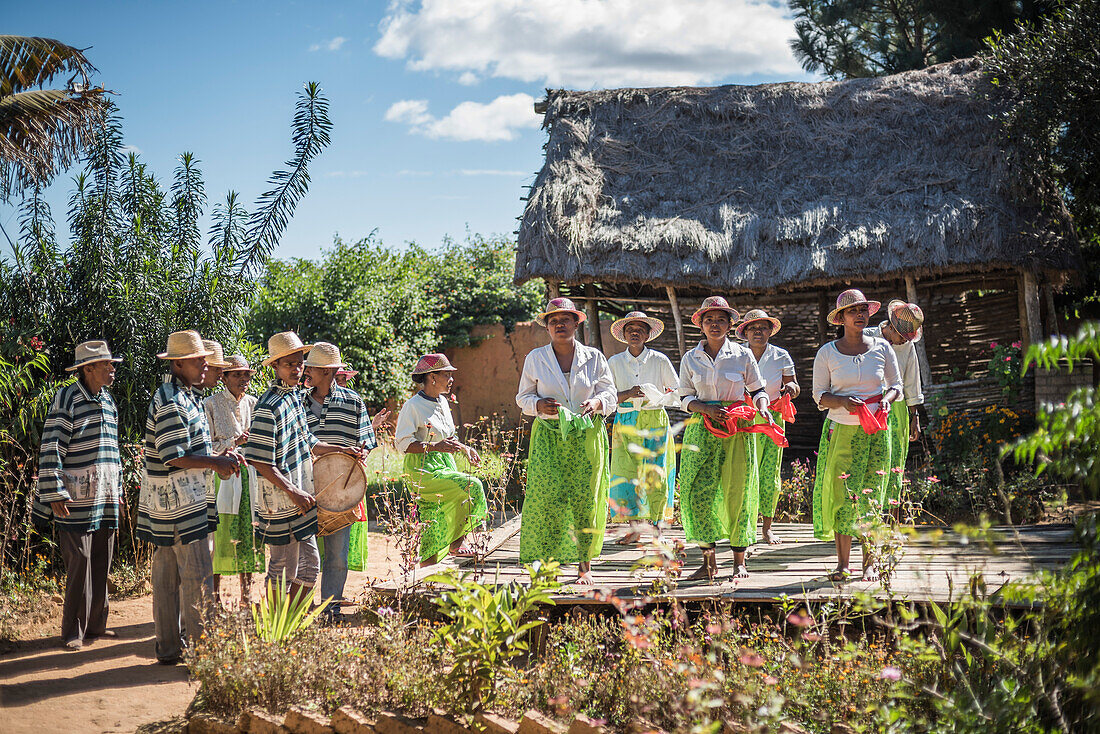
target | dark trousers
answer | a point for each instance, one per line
(87, 561)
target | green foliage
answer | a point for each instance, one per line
(1050, 76)
(1066, 440)
(862, 38)
(1005, 365)
(487, 631)
(279, 616)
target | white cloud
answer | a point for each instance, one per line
(593, 43)
(493, 121)
(128, 149)
(468, 79)
(333, 45)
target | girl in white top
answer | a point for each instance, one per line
(567, 387)
(852, 373)
(643, 452)
(777, 369)
(718, 486)
(451, 503)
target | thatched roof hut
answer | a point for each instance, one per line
(784, 194)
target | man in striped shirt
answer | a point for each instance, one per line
(336, 415)
(79, 487)
(172, 509)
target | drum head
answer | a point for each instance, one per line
(340, 482)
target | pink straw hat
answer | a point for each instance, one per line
(559, 305)
(849, 298)
(714, 303)
(757, 314)
(433, 363)
(906, 318)
(637, 317)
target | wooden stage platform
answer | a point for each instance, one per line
(935, 564)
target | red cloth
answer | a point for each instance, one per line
(729, 426)
(872, 422)
(785, 408)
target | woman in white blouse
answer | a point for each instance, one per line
(777, 369)
(643, 451)
(718, 486)
(567, 387)
(853, 374)
(451, 503)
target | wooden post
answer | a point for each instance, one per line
(677, 318)
(922, 356)
(822, 318)
(1052, 315)
(553, 289)
(592, 311)
(1031, 330)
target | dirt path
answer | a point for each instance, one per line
(116, 685)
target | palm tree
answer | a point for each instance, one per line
(42, 131)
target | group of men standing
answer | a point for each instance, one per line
(212, 463)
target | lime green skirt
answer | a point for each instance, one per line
(770, 459)
(850, 485)
(235, 548)
(899, 449)
(719, 489)
(643, 467)
(451, 503)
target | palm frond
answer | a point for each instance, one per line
(28, 61)
(275, 206)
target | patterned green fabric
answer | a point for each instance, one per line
(643, 480)
(451, 504)
(719, 488)
(770, 456)
(899, 448)
(565, 505)
(357, 547)
(841, 505)
(235, 549)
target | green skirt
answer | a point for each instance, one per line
(719, 489)
(565, 505)
(451, 504)
(769, 458)
(235, 548)
(850, 485)
(643, 467)
(357, 546)
(898, 426)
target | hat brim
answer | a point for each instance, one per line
(272, 359)
(739, 330)
(874, 308)
(540, 319)
(336, 367)
(893, 306)
(78, 365)
(437, 369)
(656, 327)
(697, 317)
(167, 355)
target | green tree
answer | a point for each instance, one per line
(1050, 79)
(863, 38)
(42, 131)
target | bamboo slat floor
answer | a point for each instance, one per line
(935, 563)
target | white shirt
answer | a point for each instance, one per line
(774, 364)
(727, 377)
(649, 368)
(424, 420)
(588, 377)
(908, 365)
(863, 376)
(228, 418)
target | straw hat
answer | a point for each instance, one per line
(283, 344)
(347, 370)
(849, 298)
(433, 363)
(559, 305)
(656, 326)
(91, 351)
(906, 318)
(184, 345)
(758, 314)
(238, 363)
(324, 354)
(216, 358)
(713, 303)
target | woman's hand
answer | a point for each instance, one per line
(548, 407)
(914, 427)
(447, 446)
(852, 405)
(790, 388)
(590, 406)
(242, 439)
(471, 456)
(714, 411)
(631, 393)
(379, 422)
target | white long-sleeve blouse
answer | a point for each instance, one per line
(908, 366)
(727, 377)
(424, 420)
(648, 368)
(774, 364)
(588, 377)
(862, 376)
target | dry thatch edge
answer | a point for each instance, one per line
(760, 188)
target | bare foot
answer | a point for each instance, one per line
(771, 538)
(840, 574)
(741, 572)
(630, 538)
(464, 551)
(584, 579)
(703, 572)
(870, 573)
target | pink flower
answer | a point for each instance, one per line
(1017, 344)
(894, 503)
(845, 475)
(811, 636)
(771, 680)
(933, 480)
(992, 345)
(898, 470)
(890, 673)
(752, 659)
(798, 619)
(868, 491)
(880, 472)
(1008, 359)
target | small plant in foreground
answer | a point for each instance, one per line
(278, 616)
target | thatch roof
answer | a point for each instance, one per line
(756, 188)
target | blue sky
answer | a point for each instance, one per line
(434, 132)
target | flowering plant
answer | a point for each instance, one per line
(1005, 365)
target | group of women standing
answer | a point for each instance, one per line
(739, 394)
